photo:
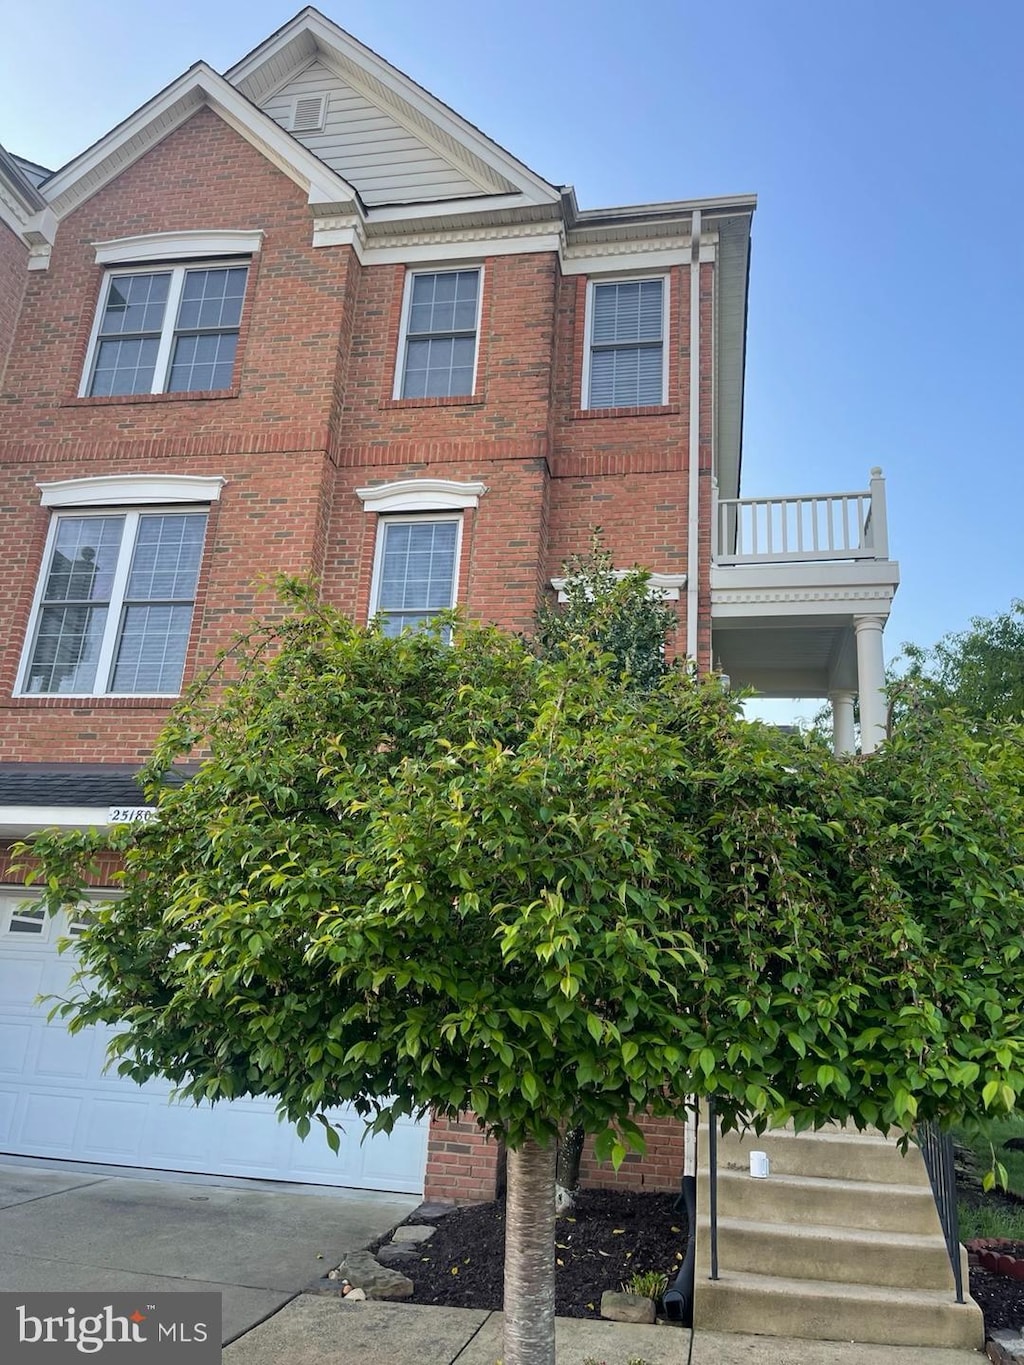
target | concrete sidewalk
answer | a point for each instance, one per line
(314, 1330)
(254, 1244)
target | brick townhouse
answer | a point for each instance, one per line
(304, 317)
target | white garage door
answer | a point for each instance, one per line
(56, 1100)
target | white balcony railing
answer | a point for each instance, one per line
(814, 526)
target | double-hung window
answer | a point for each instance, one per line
(438, 345)
(418, 547)
(114, 603)
(416, 573)
(167, 330)
(625, 357)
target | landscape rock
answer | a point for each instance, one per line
(626, 1307)
(363, 1271)
(1005, 1348)
(414, 1234)
(391, 1252)
(431, 1209)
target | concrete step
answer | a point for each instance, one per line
(781, 1307)
(837, 1153)
(875, 1205)
(827, 1253)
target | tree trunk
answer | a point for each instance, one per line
(530, 1256)
(570, 1153)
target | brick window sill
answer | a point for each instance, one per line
(598, 414)
(471, 400)
(192, 396)
(45, 701)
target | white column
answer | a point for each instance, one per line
(843, 741)
(874, 710)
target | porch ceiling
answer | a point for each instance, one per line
(798, 657)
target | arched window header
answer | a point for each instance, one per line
(421, 495)
(130, 490)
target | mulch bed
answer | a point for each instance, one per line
(1000, 1299)
(598, 1244)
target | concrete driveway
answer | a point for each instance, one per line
(256, 1243)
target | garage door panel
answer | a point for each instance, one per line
(21, 980)
(9, 1101)
(15, 1044)
(57, 1100)
(115, 1129)
(50, 1123)
(62, 1055)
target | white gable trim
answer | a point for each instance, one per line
(123, 490)
(200, 86)
(421, 495)
(450, 133)
(663, 587)
(173, 246)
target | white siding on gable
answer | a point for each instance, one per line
(366, 145)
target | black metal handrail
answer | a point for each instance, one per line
(713, 1187)
(937, 1150)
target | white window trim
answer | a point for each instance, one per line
(162, 367)
(662, 587)
(104, 663)
(588, 344)
(128, 490)
(420, 495)
(419, 519)
(177, 246)
(444, 268)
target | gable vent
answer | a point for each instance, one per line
(308, 113)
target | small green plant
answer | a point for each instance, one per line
(991, 1220)
(646, 1284)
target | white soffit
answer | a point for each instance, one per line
(175, 246)
(421, 495)
(130, 490)
(266, 70)
(199, 87)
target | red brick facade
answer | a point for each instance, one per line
(465, 1167)
(13, 277)
(310, 417)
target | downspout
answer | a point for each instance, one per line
(693, 502)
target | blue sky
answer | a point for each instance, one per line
(884, 141)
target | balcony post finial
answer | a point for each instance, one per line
(879, 515)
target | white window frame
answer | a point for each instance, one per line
(417, 518)
(18, 902)
(447, 268)
(109, 496)
(168, 330)
(588, 348)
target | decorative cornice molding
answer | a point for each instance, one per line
(620, 246)
(380, 244)
(663, 586)
(126, 490)
(874, 592)
(167, 246)
(421, 495)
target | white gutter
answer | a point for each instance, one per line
(693, 500)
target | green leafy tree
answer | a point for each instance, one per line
(979, 670)
(412, 875)
(627, 622)
(618, 613)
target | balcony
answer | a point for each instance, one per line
(810, 528)
(801, 588)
